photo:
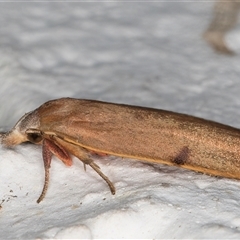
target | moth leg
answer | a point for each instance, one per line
(83, 155)
(58, 151)
(88, 161)
(47, 157)
(104, 177)
(48, 149)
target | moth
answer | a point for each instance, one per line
(69, 127)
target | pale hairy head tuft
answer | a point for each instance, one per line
(18, 134)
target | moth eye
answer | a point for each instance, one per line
(34, 137)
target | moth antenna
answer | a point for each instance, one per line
(95, 167)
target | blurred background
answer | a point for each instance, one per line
(144, 53)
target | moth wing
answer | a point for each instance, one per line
(103, 127)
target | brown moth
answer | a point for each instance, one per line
(78, 127)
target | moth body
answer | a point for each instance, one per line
(77, 127)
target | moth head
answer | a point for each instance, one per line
(23, 131)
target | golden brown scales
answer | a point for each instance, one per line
(77, 127)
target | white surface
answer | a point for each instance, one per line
(148, 54)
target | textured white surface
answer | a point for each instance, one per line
(148, 54)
